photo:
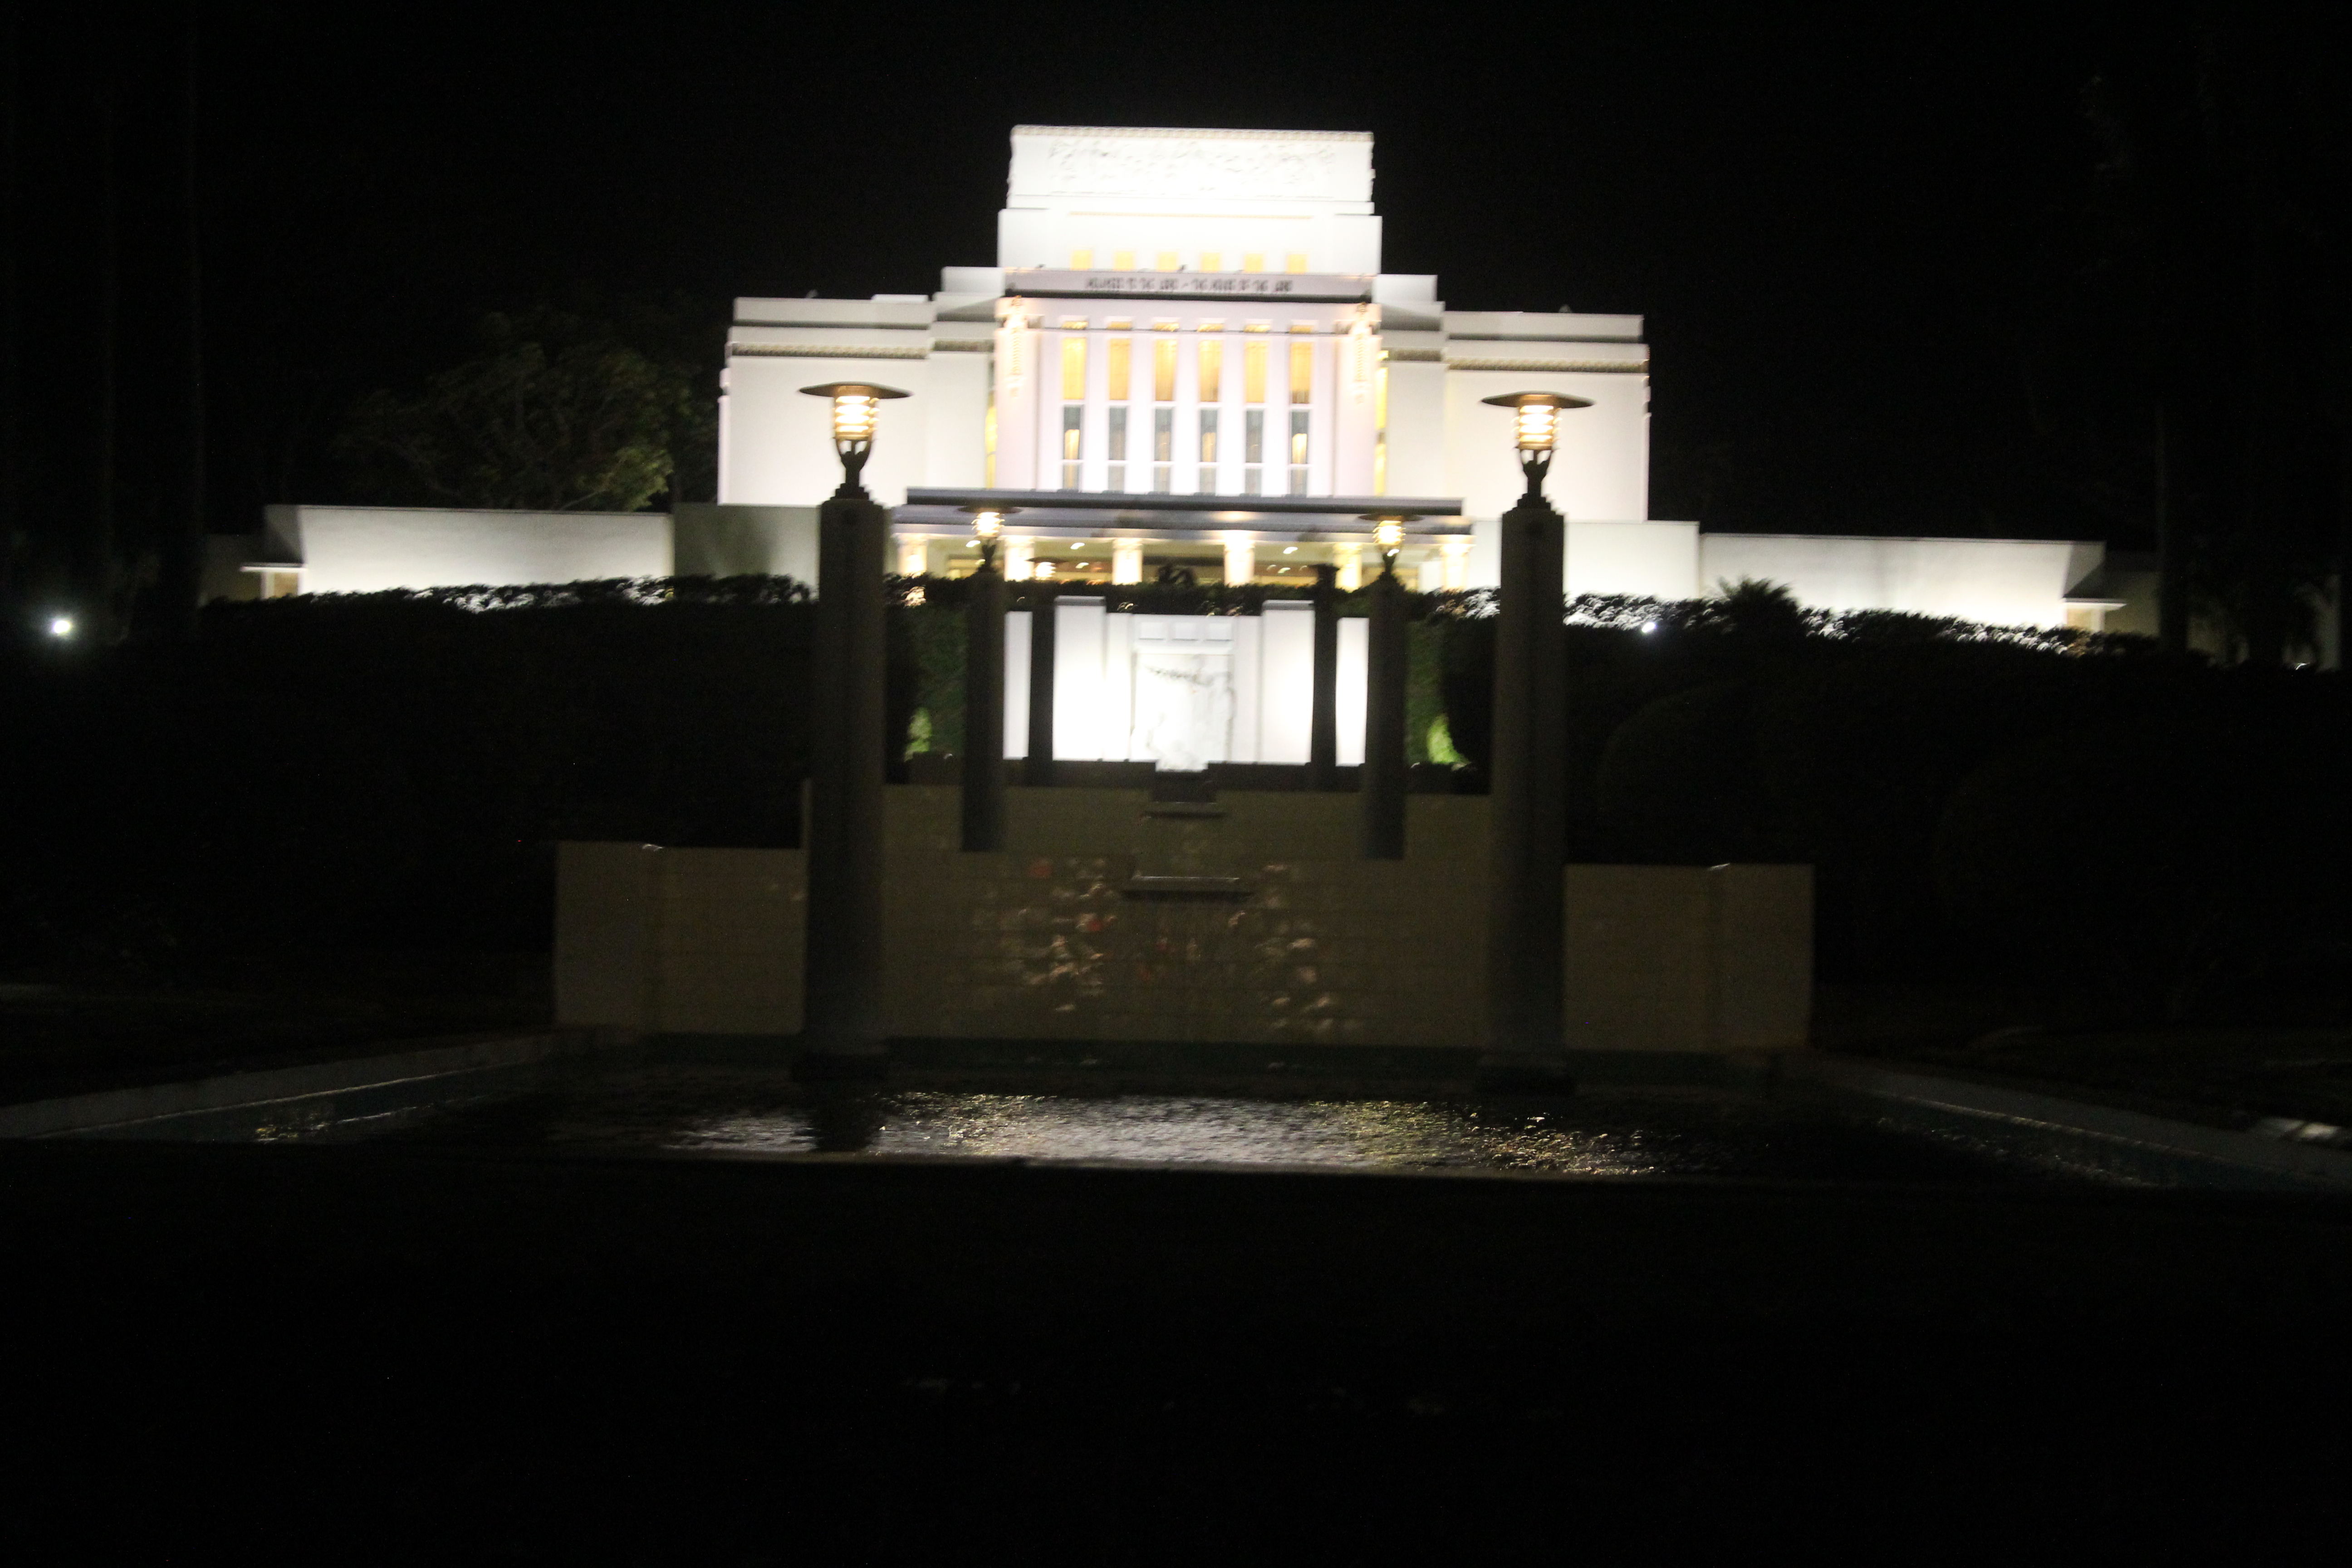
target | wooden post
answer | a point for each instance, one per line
(844, 1031)
(1040, 770)
(1323, 714)
(1383, 773)
(1528, 834)
(984, 711)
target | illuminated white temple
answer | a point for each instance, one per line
(1186, 359)
(1187, 354)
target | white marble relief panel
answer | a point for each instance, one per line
(1183, 690)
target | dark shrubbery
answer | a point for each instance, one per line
(394, 769)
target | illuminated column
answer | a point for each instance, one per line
(1458, 561)
(1020, 560)
(1430, 575)
(1127, 561)
(1241, 558)
(913, 550)
(1349, 559)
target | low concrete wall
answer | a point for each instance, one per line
(1055, 939)
(1688, 958)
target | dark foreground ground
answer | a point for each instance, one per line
(350, 1354)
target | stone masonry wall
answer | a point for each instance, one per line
(1307, 945)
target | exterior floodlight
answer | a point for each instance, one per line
(61, 626)
(1536, 429)
(988, 527)
(855, 408)
(1388, 532)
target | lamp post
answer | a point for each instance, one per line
(1526, 802)
(983, 687)
(1323, 702)
(844, 1026)
(1385, 669)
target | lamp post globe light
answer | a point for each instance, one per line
(1527, 799)
(988, 530)
(1535, 430)
(1387, 532)
(856, 409)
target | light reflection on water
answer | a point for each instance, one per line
(1203, 1129)
(1644, 1133)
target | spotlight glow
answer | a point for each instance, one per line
(61, 626)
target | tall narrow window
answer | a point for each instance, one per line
(1212, 261)
(1082, 260)
(1166, 261)
(1118, 357)
(1298, 417)
(1294, 262)
(1302, 372)
(1123, 261)
(1212, 369)
(1073, 370)
(1253, 261)
(1117, 447)
(1073, 416)
(1163, 372)
(1253, 373)
(1206, 479)
(1163, 448)
(1252, 452)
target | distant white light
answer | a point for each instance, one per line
(1649, 626)
(61, 626)
(1290, 550)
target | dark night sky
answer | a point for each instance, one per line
(1846, 233)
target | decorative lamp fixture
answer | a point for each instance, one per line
(987, 528)
(857, 407)
(1387, 532)
(1536, 429)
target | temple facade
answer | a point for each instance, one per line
(1187, 356)
(1186, 360)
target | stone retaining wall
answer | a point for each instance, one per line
(1066, 935)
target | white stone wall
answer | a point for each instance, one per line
(2003, 582)
(366, 550)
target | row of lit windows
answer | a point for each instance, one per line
(1119, 367)
(1163, 450)
(1165, 324)
(1083, 261)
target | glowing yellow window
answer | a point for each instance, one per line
(1123, 261)
(1073, 370)
(1257, 326)
(1164, 323)
(1117, 366)
(1253, 373)
(1080, 260)
(1294, 262)
(1212, 369)
(1253, 261)
(1212, 261)
(1302, 326)
(1166, 261)
(1164, 372)
(1302, 371)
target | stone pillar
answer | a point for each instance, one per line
(984, 711)
(1529, 835)
(1040, 768)
(844, 1032)
(1240, 559)
(1323, 711)
(1457, 563)
(1383, 776)
(1127, 561)
(1350, 559)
